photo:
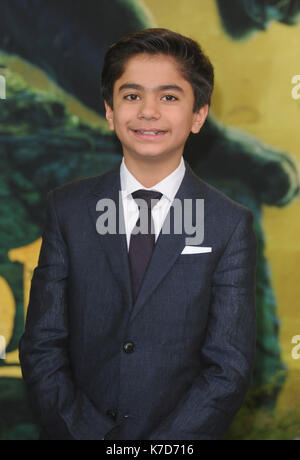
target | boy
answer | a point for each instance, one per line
(143, 334)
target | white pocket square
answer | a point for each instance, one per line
(196, 249)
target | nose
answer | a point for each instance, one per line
(149, 109)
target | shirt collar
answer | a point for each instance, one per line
(168, 186)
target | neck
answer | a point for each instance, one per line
(149, 173)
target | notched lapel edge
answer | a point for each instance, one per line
(113, 245)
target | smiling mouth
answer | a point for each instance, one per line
(149, 132)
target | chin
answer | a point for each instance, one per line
(148, 154)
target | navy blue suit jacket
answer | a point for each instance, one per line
(191, 329)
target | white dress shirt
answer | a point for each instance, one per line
(168, 187)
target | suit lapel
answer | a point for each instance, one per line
(113, 245)
(168, 246)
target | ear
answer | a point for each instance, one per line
(199, 119)
(109, 113)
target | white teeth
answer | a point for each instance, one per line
(152, 133)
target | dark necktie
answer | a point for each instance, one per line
(141, 245)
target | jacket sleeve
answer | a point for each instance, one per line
(207, 409)
(64, 411)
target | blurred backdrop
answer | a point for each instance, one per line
(52, 131)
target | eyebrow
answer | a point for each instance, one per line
(158, 88)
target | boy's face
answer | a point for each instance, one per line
(153, 108)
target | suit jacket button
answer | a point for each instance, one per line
(128, 347)
(111, 414)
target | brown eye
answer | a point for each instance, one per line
(131, 97)
(170, 98)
